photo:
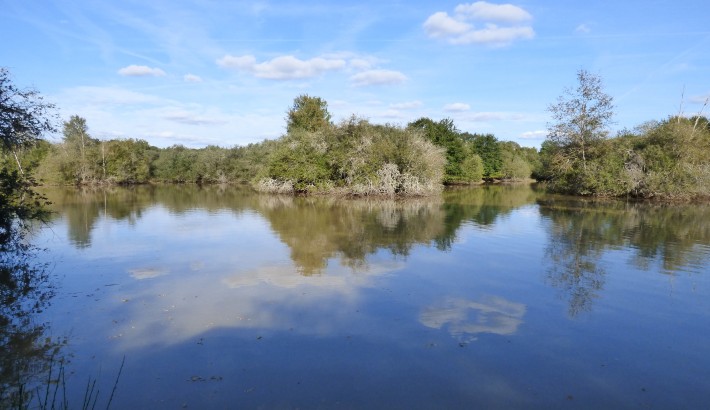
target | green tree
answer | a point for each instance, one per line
(487, 147)
(580, 117)
(24, 116)
(81, 162)
(129, 161)
(308, 113)
(444, 134)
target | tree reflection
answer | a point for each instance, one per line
(317, 229)
(26, 352)
(481, 206)
(580, 232)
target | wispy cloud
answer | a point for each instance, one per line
(281, 68)
(457, 107)
(486, 116)
(583, 29)
(533, 135)
(481, 23)
(141, 71)
(482, 10)
(700, 99)
(407, 105)
(377, 77)
(188, 118)
(192, 78)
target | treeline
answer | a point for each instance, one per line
(80, 159)
(667, 159)
(352, 157)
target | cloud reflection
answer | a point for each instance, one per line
(468, 317)
(147, 273)
(277, 297)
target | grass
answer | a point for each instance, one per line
(53, 394)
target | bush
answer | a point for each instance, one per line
(355, 158)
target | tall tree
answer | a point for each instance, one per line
(24, 116)
(308, 113)
(580, 118)
(79, 146)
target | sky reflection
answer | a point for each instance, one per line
(467, 318)
(300, 302)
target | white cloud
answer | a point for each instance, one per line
(192, 78)
(281, 68)
(377, 77)
(141, 71)
(533, 135)
(441, 25)
(457, 107)
(407, 105)
(113, 112)
(496, 24)
(482, 10)
(494, 35)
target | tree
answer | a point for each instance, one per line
(580, 118)
(488, 148)
(308, 113)
(82, 160)
(24, 116)
(444, 134)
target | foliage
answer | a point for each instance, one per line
(462, 166)
(24, 289)
(487, 147)
(24, 116)
(515, 164)
(308, 113)
(354, 157)
(580, 118)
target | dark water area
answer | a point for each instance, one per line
(485, 297)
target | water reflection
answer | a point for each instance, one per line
(465, 318)
(582, 232)
(220, 297)
(319, 231)
(482, 206)
(275, 297)
(317, 228)
(26, 348)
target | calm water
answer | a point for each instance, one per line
(496, 297)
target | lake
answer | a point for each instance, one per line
(484, 297)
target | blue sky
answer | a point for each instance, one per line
(225, 72)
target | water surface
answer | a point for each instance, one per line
(488, 297)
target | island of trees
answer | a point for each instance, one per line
(667, 159)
